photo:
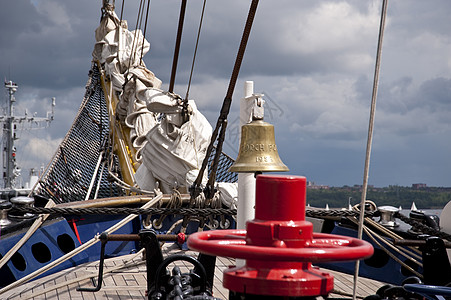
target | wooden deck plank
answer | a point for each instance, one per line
(141, 279)
(218, 290)
(130, 280)
(52, 293)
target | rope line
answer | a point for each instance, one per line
(166, 211)
(391, 255)
(144, 32)
(195, 51)
(370, 134)
(122, 9)
(126, 211)
(423, 228)
(178, 40)
(206, 212)
(134, 36)
(222, 119)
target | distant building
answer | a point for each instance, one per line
(417, 186)
(313, 186)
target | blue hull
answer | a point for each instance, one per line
(57, 238)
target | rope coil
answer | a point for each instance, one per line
(423, 228)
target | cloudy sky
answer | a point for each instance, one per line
(314, 61)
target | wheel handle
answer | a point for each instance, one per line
(323, 247)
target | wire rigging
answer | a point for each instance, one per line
(134, 36)
(138, 27)
(195, 51)
(370, 130)
(177, 45)
(222, 120)
(122, 9)
(145, 30)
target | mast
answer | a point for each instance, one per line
(10, 121)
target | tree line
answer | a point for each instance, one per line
(424, 198)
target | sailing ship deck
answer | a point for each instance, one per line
(125, 278)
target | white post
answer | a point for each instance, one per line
(246, 181)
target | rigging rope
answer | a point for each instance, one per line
(370, 134)
(401, 251)
(202, 212)
(195, 209)
(195, 52)
(122, 9)
(392, 256)
(221, 124)
(80, 248)
(177, 45)
(134, 36)
(144, 32)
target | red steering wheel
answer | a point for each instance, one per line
(324, 247)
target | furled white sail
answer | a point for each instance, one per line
(170, 147)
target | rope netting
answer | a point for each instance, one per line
(70, 172)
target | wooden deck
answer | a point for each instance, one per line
(125, 278)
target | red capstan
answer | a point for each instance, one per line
(279, 245)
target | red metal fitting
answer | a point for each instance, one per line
(279, 245)
(181, 238)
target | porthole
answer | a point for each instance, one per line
(65, 243)
(41, 252)
(19, 262)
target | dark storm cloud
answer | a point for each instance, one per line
(49, 45)
(314, 60)
(435, 94)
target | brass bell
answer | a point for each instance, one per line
(258, 150)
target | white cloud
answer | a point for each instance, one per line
(56, 13)
(42, 149)
(35, 152)
(331, 27)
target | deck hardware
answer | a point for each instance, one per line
(5, 206)
(279, 246)
(197, 284)
(388, 216)
(150, 241)
(22, 202)
(436, 266)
